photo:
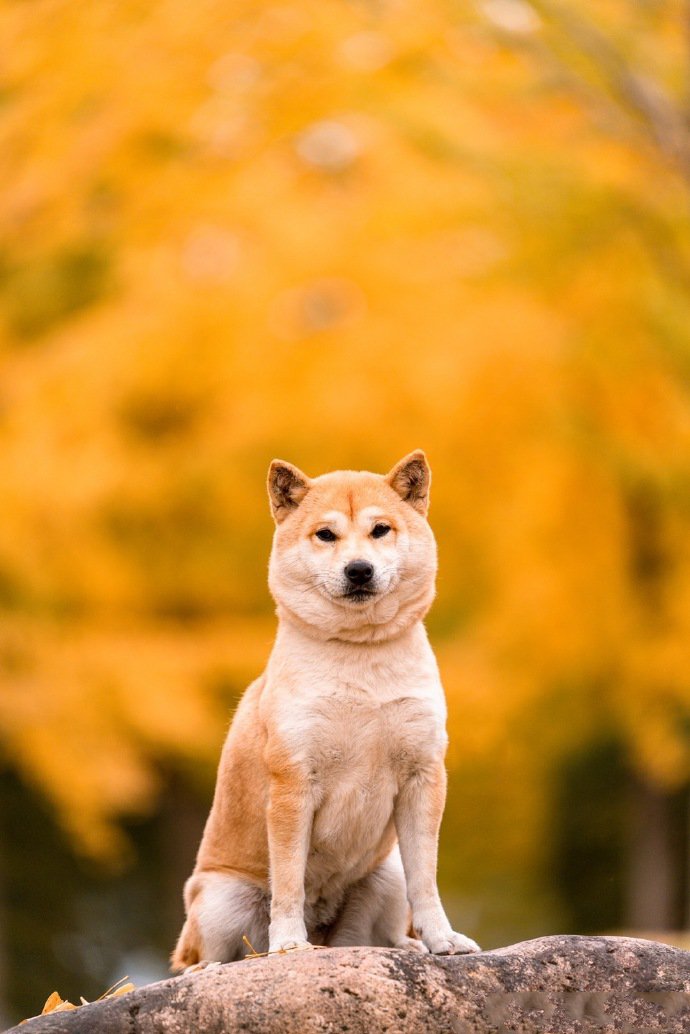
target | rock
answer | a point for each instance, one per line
(553, 985)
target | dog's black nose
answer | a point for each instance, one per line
(359, 572)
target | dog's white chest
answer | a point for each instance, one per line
(358, 723)
(365, 721)
(360, 751)
(346, 738)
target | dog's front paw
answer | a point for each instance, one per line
(290, 945)
(451, 943)
(287, 934)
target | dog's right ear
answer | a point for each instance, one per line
(287, 487)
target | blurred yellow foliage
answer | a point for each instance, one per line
(334, 232)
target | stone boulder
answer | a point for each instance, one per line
(552, 985)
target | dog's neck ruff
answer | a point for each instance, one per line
(345, 630)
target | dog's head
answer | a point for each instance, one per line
(353, 555)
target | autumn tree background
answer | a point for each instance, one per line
(334, 231)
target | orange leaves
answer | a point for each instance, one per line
(332, 232)
(54, 1003)
(85, 716)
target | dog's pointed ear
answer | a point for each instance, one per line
(287, 487)
(411, 478)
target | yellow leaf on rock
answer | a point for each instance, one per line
(52, 1003)
(55, 1004)
(125, 989)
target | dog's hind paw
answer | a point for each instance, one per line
(196, 967)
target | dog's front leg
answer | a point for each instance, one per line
(418, 813)
(290, 816)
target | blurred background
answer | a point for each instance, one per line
(333, 232)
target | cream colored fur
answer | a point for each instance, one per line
(331, 786)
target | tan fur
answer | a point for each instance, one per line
(188, 949)
(335, 755)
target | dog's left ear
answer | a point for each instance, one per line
(411, 479)
(287, 487)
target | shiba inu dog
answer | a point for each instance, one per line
(331, 786)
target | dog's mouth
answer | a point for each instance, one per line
(359, 595)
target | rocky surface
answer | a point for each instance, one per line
(553, 985)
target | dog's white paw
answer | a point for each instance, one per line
(291, 945)
(451, 943)
(412, 944)
(287, 934)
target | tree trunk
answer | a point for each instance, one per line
(653, 876)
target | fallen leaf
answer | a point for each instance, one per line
(125, 989)
(52, 1002)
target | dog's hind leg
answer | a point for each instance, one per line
(375, 911)
(221, 910)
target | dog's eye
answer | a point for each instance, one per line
(326, 535)
(380, 530)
